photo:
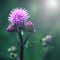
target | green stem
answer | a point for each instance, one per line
(44, 57)
(27, 38)
(21, 46)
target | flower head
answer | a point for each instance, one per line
(18, 16)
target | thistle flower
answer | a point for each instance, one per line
(18, 17)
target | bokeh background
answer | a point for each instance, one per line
(46, 16)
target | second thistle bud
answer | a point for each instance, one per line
(10, 28)
(12, 49)
(29, 26)
(47, 40)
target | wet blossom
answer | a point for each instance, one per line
(18, 16)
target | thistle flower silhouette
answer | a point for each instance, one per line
(18, 17)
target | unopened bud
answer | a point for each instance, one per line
(47, 39)
(10, 28)
(13, 55)
(13, 48)
(30, 26)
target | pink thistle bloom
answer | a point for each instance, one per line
(18, 16)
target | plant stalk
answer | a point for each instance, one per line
(21, 46)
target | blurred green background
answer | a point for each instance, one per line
(46, 22)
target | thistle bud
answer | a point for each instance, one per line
(10, 28)
(47, 40)
(12, 49)
(29, 26)
(13, 55)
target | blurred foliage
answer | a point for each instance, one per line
(35, 50)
